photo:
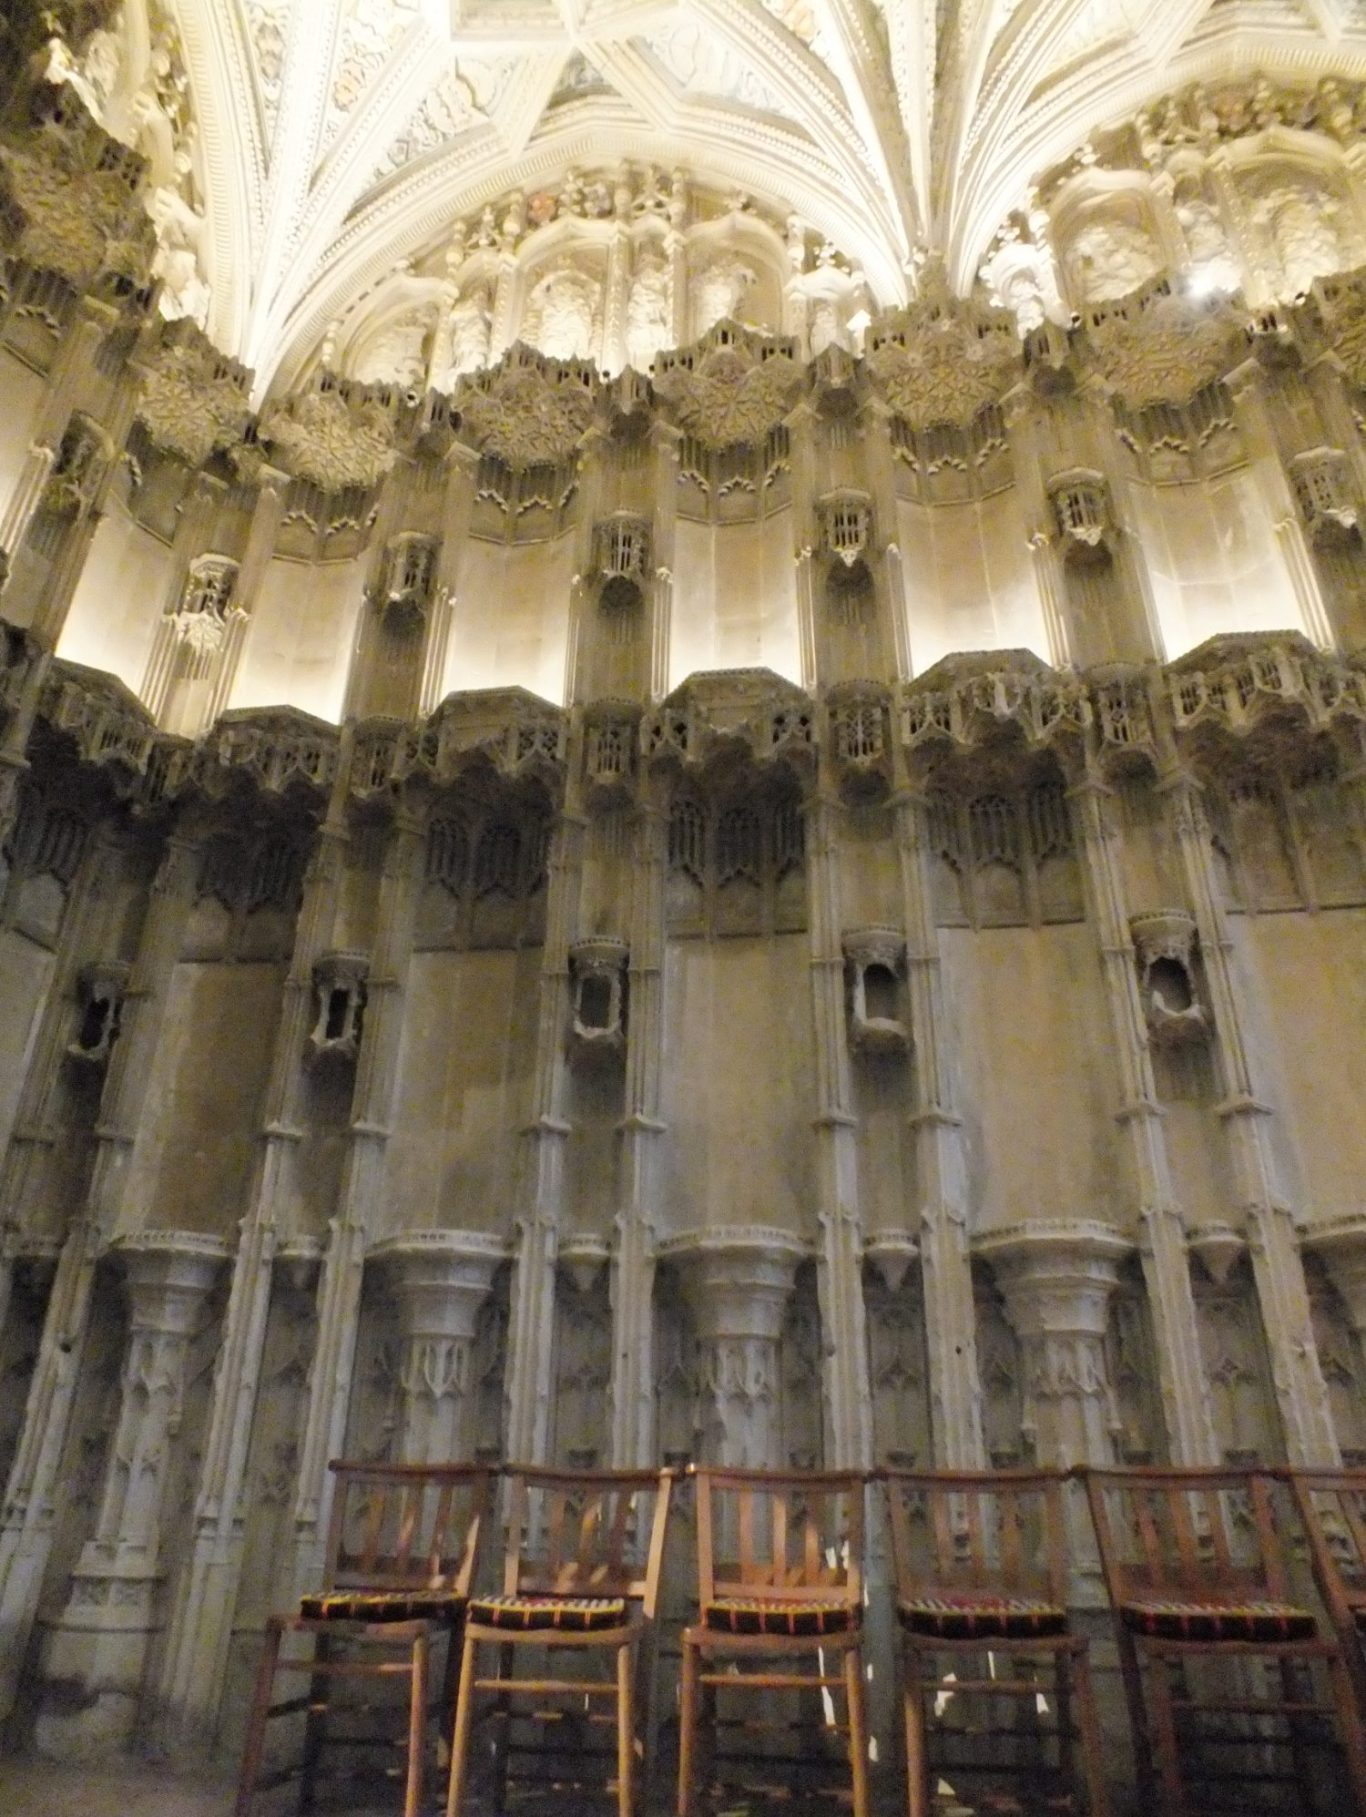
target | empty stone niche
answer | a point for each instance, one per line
(1326, 497)
(621, 562)
(1164, 946)
(339, 984)
(876, 962)
(100, 990)
(598, 969)
(1081, 510)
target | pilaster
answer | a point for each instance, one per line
(839, 1267)
(26, 1523)
(99, 1642)
(941, 1167)
(1277, 1266)
(1162, 1243)
(361, 1196)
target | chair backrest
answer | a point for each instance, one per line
(1332, 1506)
(586, 1532)
(1187, 1535)
(1002, 1532)
(406, 1526)
(779, 1536)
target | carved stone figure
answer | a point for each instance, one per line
(719, 291)
(562, 314)
(1109, 258)
(179, 227)
(471, 320)
(1215, 265)
(397, 355)
(1302, 218)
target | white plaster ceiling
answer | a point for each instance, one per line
(339, 136)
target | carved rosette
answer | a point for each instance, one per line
(440, 1279)
(738, 1283)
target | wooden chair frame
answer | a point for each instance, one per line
(418, 1550)
(1189, 1559)
(566, 1552)
(981, 1563)
(1337, 1535)
(826, 1574)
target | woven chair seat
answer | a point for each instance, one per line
(570, 1614)
(382, 1605)
(1270, 1622)
(798, 1618)
(979, 1615)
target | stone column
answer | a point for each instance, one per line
(25, 498)
(839, 1258)
(37, 1131)
(1261, 1203)
(642, 1130)
(196, 1655)
(361, 1197)
(1247, 389)
(251, 572)
(440, 1279)
(738, 1283)
(1056, 1278)
(99, 1642)
(1186, 1407)
(462, 463)
(30, 1495)
(664, 439)
(801, 427)
(941, 1166)
(531, 1327)
(880, 469)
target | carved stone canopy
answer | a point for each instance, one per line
(731, 386)
(1161, 346)
(441, 1278)
(531, 410)
(738, 1280)
(940, 362)
(332, 437)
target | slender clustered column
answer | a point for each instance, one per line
(441, 1278)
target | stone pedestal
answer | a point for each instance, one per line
(1056, 1279)
(738, 1284)
(93, 1655)
(441, 1278)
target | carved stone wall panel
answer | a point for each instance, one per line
(1236, 1364)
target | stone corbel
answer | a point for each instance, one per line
(440, 1279)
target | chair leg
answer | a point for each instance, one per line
(913, 1712)
(1168, 1751)
(254, 1746)
(1088, 1727)
(626, 1731)
(687, 1729)
(1349, 1726)
(858, 1729)
(450, 1682)
(460, 1735)
(315, 1723)
(1066, 1716)
(1132, 1678)
(417, 1725)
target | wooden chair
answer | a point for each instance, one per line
(1197, 1570)
(779, 1579)
(581, 1572)
(1332, 1506)
(401, 1553)
(980, 1562)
